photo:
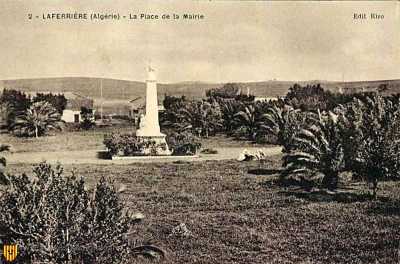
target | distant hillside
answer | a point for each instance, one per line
(126, 90)
(112, 89)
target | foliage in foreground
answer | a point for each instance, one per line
(3, 164)
(55, 219)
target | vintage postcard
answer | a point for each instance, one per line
(199, 131)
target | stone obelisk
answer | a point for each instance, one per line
(149, 127)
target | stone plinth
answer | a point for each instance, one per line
(149, 127)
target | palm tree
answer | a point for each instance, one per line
(201, 117)
(248, 121)
(317, 150)
(282, 122)
(39, 118)
(229, 109)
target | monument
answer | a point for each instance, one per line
(149, 127)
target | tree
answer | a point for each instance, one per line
(317, 149)
(37, 120)
(313, 97)
(248, 121)
(228, 90)
(57, 100)
(378, 153)
(229, 109)
(282, 122)
(87, 118)
(350, 122)
(201, 117)
(170, 101)
(15, 102)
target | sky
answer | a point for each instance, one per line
(236, 41)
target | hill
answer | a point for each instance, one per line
(126, 90)
(118, 93)
(112, 89)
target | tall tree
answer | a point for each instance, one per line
(37, 120)
(14, 102)
(378, 151)
(57, 100)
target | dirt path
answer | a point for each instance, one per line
(92, 156)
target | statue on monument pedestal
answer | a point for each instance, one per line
(141, 121)
(149, 127)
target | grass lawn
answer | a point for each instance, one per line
(61, 141)
(93, 139)
(237, 214)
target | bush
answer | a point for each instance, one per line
(3, 164)
(316, 154)
(55, 219)
(184, 143)
(130, 145)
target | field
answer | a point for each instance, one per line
(236, 213)
(237, 216)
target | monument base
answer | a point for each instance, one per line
(157, 146)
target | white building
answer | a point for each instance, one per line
(75, 102)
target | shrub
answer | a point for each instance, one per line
(317, 151)
(3, 164)
(184, 143)
(55, 219)
(130, 145)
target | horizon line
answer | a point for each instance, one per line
(204, 82)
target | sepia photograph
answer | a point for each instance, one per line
(199, 132)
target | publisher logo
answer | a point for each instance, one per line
(10, 252)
